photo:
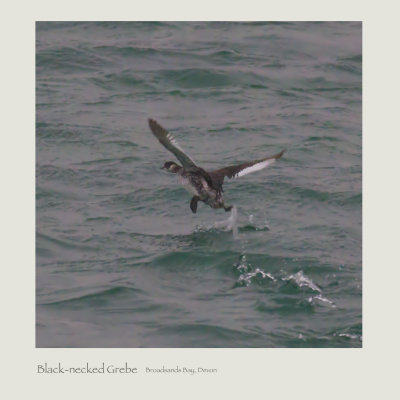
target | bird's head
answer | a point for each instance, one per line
(171, 166)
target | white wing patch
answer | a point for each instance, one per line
(255, 167)
(175, 143)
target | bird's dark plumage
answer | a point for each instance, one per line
(206, 186)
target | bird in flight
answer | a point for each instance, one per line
(206, 186)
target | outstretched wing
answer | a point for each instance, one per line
(236, 171)
(168, 141)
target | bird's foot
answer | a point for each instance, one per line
(193, 204)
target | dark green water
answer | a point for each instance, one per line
(122, 261)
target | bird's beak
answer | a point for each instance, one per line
(162, 167)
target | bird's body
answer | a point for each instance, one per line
(199, 187)
(199, 184)
(206, 186)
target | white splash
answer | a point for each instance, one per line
(229, 224)
(303, 280)
(247, 275)
(322, 300)
(350, 336)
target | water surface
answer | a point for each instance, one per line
(122, 261)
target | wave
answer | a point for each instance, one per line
(95, 297)
(197, 332)
(69, 60)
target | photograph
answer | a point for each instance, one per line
(198, 184)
